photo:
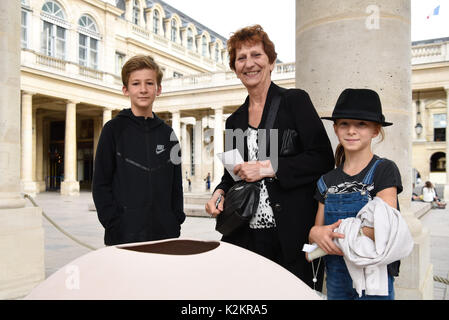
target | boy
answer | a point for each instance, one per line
(137, 186)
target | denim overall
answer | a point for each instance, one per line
(341, 206)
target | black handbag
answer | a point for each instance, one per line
(240, 204)
(242, 199)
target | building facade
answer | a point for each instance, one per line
(71, 59)
(430, 83)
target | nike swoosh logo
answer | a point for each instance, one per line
(160, 151)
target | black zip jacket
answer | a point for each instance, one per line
(137, 182)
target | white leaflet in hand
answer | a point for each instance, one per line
(230, 159)
(313, 251)
(309, 247)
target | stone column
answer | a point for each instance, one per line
(21, 233)
(218, 146)
(348, 44)
(28, 184)
(198, 184)
(70, 186)
(98, 125)
(107, 115)
(185, 155)
(176, 123)
(40, 153)
(184, 142)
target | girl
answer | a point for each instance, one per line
(359, 176)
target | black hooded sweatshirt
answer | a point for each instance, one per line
(137, 182)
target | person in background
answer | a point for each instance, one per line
(190, 184)
(207, 179)
(429, 194)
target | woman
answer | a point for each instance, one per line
(430, 195)
(286, 211)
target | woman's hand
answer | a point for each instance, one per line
(323, 236)
(211, 208)
(254, 170)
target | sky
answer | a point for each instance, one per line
(227, 16)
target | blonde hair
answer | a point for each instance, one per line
(140, 62)
(340, 151)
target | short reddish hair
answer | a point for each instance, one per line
(251, 34)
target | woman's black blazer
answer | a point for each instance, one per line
(291, 193)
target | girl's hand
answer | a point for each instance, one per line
(323, 236)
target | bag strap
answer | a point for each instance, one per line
(274, 107)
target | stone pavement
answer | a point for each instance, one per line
(73, 215)
(437, 221)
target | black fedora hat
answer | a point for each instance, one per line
(359, 104)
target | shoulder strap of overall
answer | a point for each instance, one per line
(322, 187)
(369, 177)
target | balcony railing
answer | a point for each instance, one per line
(207, 80)
(140, 31)
(51, 62)
(43, 63)
(430, 53)
(90, 73)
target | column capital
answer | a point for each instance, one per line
(200, 114)
(70, 101)
(217, 107)
(27, 92)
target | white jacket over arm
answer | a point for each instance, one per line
(366, 259)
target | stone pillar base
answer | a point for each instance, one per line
(446, 192)
(70, 188)
(30, 188)
(41, 187)
(415, 281)
(22, 250)
(10, 200)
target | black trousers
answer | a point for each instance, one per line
(266, 243)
